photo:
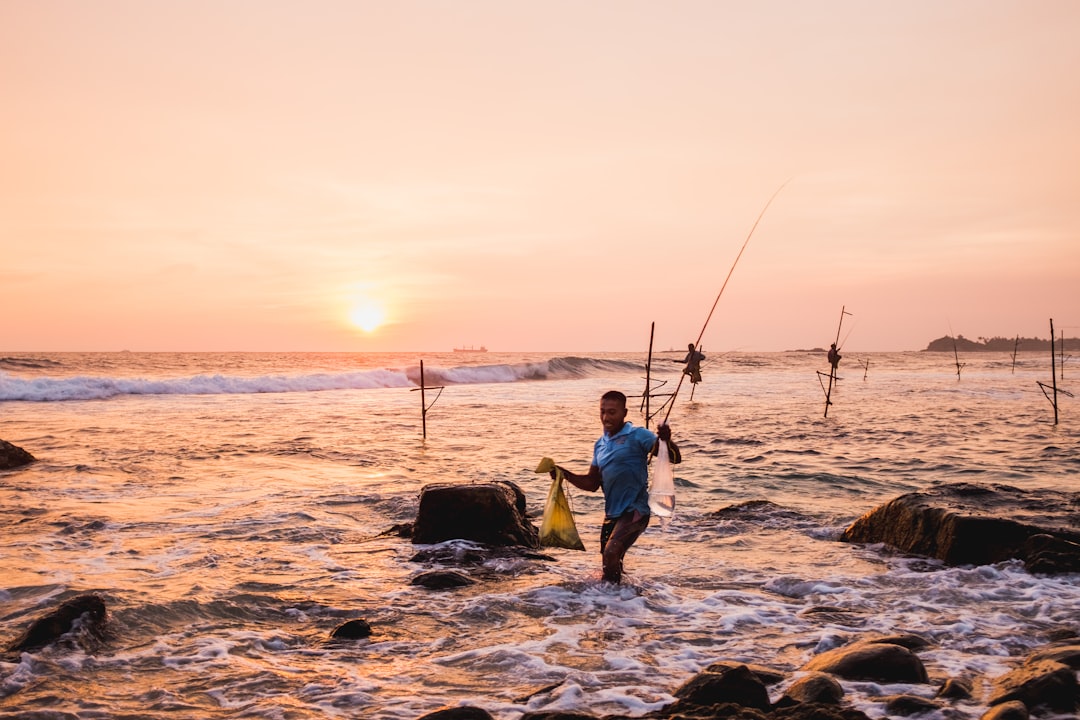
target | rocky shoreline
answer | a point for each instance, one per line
(960, 524)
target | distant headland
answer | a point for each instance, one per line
(997, 344)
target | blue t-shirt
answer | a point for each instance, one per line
(623, 459)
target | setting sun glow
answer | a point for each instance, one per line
(367, 315)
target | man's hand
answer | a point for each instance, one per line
(663, 431)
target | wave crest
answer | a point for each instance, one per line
(51, 389)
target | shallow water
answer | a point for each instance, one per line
(229, 509)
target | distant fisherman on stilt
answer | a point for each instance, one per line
(834, 357)
(693, 363)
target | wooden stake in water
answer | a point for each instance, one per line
(1061, 366)
(648, 393)
(1053, 377)
(1053, 373)
(1016, 346)
(424, 407)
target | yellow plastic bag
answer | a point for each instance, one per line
(557, 529)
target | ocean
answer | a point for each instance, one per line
(230, 509)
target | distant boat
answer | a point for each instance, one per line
(471, 349)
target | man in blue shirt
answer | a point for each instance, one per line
(620, 466)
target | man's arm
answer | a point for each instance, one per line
(590, 481)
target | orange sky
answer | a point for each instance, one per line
(555, 175)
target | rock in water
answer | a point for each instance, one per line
(874, 661)
(352, 630)
(13, 456)
(90, 609)
(489, 513)
(967, 524)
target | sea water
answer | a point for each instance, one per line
(231, 509)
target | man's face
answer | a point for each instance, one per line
(612, 415)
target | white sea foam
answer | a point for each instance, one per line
(94, 387)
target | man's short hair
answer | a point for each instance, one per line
(615, 395)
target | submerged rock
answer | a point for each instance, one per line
(1012, 710)
(1038, 683)
(767, 675)
(489, 513)
(458, 713)
(442, 579)
(737, 685)
(85, 611)
(352, 630)
(815, 687)
(871, 660)
(968, 524)
(13, 456)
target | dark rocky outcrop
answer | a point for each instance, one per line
(85, 612)
(352, 630)
(871, 660)
(968, 524)
(955, 689)
(815, 687)
(1050, 555)
(563, 715)
(905, 705)
(736, 685)
(13, 456)
(489, 513)
(458, 713)
(442, 579)
(1064, 654)
(1012, 710)
(1038, 683)
(767, 675)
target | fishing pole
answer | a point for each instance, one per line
(671, 400)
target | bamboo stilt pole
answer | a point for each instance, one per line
(1053, 371)
(423, 402)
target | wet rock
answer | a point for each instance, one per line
(1064, 654)
(968, 524)
(402, 530)
(955, 689)
(736, 685)
(910, 641)
(352, 630)
(1036, 684)
(561, 715)
(82, 611)
(815, 687)
(767, 675)
(458, 713)
(1049, 555)
(910, 705)
(489, 513)
(817, 711)
(13, 456)
(876, 661)
(442, 579)
(1012, 710)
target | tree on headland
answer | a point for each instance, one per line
(996, 344)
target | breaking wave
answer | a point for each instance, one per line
(84, 387)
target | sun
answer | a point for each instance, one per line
(367, 315)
